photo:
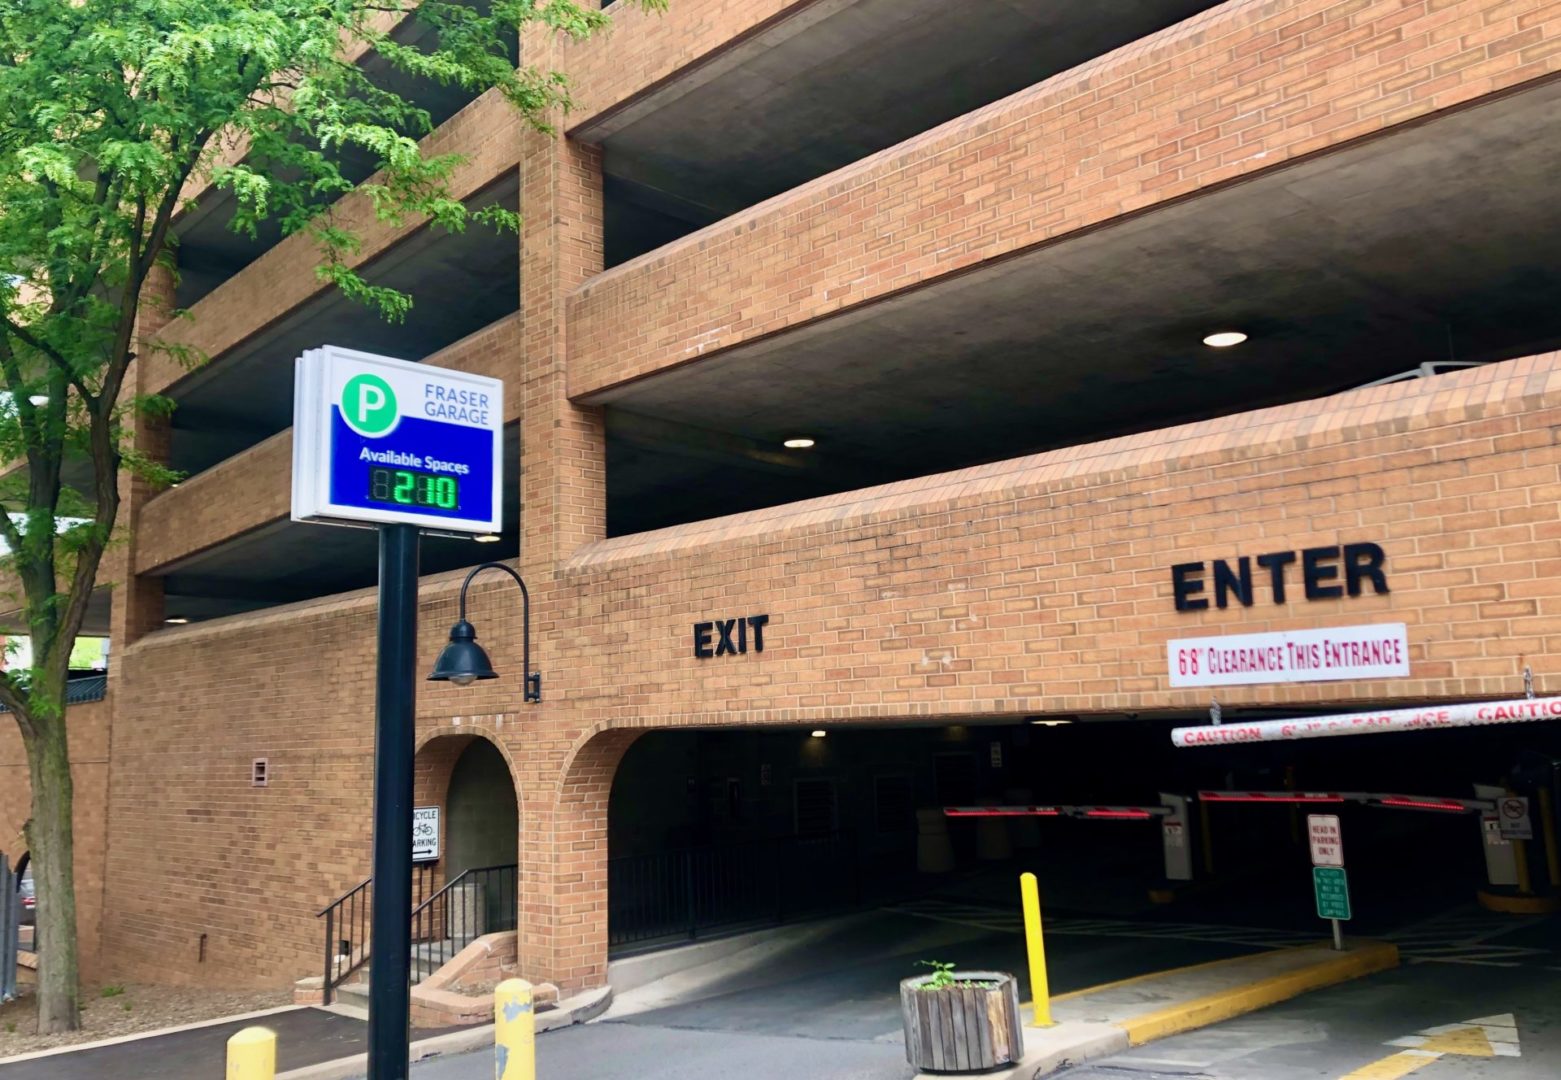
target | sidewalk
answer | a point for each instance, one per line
(1108, 1019)
(305, 1036)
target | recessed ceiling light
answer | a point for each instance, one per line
(1050, 723)
(1224, 339)
(38, 399)
(799, 443)
(819, 733)
(176, 621)
(487, 538)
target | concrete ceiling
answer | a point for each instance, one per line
(460, 283)
(1432, 243)
(828, 85)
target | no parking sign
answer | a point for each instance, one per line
(1512, 813)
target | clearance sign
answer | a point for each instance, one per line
(1379, 651)
(1429, 718)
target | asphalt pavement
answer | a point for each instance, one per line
(826, 1011)
(304, 1037)
(1351, 1029)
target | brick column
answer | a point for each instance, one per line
(563, 447)
(563, 505)
(138, 601)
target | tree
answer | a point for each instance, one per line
(108, 109)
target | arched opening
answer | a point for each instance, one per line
(465, 842)
(483, 821)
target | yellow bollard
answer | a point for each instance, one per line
(514, 1032)
(1040, 993)
(252, 1054)
(1547, 823)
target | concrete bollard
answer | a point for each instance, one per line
(252, 1054)
(514, 1032)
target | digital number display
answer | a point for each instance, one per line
(412, 487)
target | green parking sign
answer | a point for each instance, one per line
(1333, 892)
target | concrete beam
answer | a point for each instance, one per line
(486, 134)
(202, 512)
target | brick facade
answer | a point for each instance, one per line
(1040, 584)
(1235, 91)
(1036, 585)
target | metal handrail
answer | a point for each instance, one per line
(479, 900)
(365, 883)
(350, 912)
(462, 876)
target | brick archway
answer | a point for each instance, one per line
(438, 751)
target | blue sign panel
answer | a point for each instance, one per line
(377, 440)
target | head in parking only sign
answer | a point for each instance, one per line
(384, 441)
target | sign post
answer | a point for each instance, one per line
(1328, 879)
(405, 447)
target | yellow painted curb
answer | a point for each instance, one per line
(1146, 976)
(1519, 905)
(1362, 959)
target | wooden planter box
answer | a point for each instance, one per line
(962, 1028)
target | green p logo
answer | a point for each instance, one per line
(368, 404)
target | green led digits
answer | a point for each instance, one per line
(414, 488)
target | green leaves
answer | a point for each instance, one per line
(278, 108)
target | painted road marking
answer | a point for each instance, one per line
(1484, 1036)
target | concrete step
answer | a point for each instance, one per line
(354, 994)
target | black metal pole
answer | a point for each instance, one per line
(390, 941)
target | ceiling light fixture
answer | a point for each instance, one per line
(802, 442)
(38, 399)
(487, 538)
(1050, 723)
(819, 733)
(1224, 339)
(176, 621)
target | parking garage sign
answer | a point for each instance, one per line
(378, 441)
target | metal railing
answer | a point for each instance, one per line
(479, 901)
(347, 927)
(679, 895)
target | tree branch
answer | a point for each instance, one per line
(32, 340)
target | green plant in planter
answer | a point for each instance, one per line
(942, 975)
(942, 978)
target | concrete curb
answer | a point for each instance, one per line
(1363, 959)
(1073, 1042)
(574, 1010)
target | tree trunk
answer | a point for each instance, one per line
(51, 844)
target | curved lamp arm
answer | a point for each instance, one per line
(533, 692)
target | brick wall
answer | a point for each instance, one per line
(1038, 584)
(1237, 90)
(642, 49)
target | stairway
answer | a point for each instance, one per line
(426, 959)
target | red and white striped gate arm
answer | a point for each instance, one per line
(1121, 813)
(1428, 718)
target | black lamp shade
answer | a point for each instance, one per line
(462, 659)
